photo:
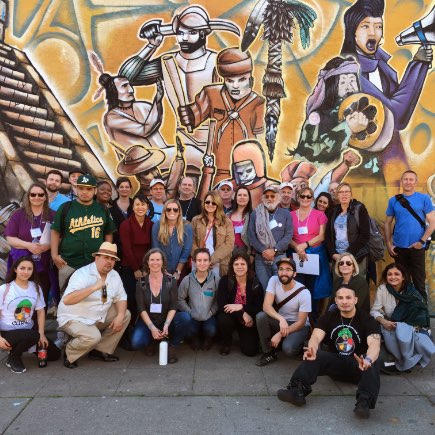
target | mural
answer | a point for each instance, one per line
(252, 91)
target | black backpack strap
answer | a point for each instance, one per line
(405, 204)
(279, 305)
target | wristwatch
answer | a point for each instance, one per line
(367, 358)
(422, 242)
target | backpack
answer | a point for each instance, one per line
(376, 242)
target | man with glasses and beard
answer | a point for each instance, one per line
(354, 341)
(286, 306)
(269, 232)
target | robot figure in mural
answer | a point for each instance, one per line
(194, 64)
(363, 23)
(340, 121)
(237, 109)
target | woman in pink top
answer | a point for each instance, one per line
(308, 235)
(240, 217)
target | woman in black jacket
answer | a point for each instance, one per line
(240, 298)
(348, 229)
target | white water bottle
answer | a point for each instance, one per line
(163, 353)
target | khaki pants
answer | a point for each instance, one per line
(98, 336)
(64, 275)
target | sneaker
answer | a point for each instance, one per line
(67, 364)
(208, 342)
(195, 343)
(266, 358)
(15, 363)
(172, 355)
(362, 409)
(293, 394)
(102, 356)
(225, 350)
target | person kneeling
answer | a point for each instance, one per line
(93, 309)
(197, 301)
(286, 306)
(354, 342)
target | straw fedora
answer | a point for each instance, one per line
(138, 159)
(108, 249)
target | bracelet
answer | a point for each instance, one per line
(367, 358)
(167, 322)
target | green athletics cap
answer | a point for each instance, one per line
(87, 180)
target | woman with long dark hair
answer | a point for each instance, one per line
(24, 230)
(324, 203)
(20, 298)
(214, 231)
(240, 298)
(239, 216)
(122, 207)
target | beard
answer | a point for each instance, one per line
(285, 279)
(191, 47)
(274, 205)
(52, 189)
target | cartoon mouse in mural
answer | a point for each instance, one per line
(237, 109)
(364, 25)
(184, 72)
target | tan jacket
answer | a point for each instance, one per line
(224, 243)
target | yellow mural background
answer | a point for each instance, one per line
(56, 34)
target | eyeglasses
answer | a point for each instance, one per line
(306, 196)
(39, 195)
(344, 192)
(347, 263)
(174, 209)
(210, 202)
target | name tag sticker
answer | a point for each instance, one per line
(303, 230)
(273, 224)
(156, 308)
(35, 232)
(238, 230)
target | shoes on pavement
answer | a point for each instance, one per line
(15, 364)
(266, 358)
(208, 342)
(106, 357)
(172, 355)
(293, 394)
(362, 408)
(225, 350)
(67, 364)
(195, 344)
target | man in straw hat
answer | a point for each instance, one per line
(237, 109)
(93, 310)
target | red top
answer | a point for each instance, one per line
(135, 241)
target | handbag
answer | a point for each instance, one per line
(405, 204)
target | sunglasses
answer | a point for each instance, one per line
(344, 192)
(210, 202)
(174, 209)
(33, 195)
(347, 263)
(306, 196)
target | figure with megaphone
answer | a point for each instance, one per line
(363, 23)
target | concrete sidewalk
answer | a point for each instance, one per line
(203, 392)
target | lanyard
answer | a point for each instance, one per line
(160, 295)
(308, 217)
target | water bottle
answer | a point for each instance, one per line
(42, 357)
(163, 353)
(36, 257)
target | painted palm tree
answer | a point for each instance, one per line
(278, 19)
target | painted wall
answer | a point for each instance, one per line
(57, 36)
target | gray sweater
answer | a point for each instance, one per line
(202, 299)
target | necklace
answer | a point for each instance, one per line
(344, 324)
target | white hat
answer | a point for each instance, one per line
(225, 183)
(157, 181)
(285, 184)
(108, 249)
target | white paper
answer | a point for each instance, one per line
(46, 235)
(309, 267)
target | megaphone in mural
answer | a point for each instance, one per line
(421, 32)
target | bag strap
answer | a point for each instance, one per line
(279, 305)
(405, 204)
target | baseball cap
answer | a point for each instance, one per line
(87, 180)
(287, 260)
(285, 184)
(272, 188)
(155, 181)
(76, 171)
(225, 183)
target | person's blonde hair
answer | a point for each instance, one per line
(352, 259)
(219, 213)
(164, 234)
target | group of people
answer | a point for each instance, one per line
(137, 270)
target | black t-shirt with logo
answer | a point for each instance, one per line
(347, 336)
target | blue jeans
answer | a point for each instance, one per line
(142, 337)
(193, 327)
(265, 271)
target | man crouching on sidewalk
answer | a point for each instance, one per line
(354, 343)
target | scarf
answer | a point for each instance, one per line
(411, 308)
(264, 234)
